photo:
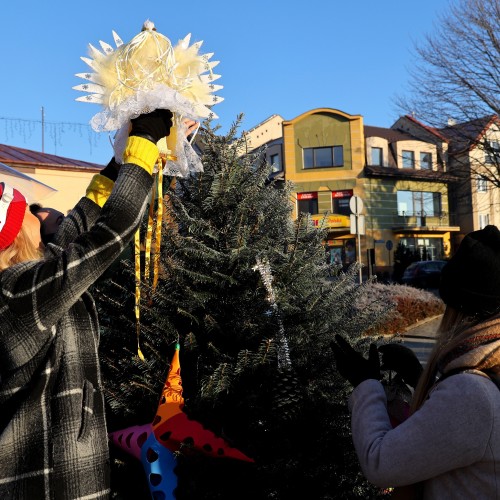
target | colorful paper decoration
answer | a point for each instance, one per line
(132, 439)
(159, 464)
(171, 431)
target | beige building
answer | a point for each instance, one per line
(473, 158)
(70, 177)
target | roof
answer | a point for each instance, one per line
(467, 135)
(429, 129)
(409, 174)
(15, 156)
(389, 134)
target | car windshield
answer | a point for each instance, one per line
(433, 266)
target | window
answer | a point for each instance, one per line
(408, 159)
(332, 156)
(482, 184)
(340, 202)
(484, 220)
(307, 203)
(426, 161)
(377, 157)
(428, 248)
(419, 203)
(275, 161)
(492, 152)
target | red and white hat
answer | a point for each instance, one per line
(12, 211)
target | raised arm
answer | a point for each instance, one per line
(37, 294)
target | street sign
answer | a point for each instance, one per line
(356, 205)
(388, 245)
(354, 226)
(358, 224)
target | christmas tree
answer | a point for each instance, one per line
(245, 290)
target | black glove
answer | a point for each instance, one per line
(403, 361)
(152, 126)
(352, 365)
(111, 170)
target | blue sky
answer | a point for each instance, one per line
(276, 57)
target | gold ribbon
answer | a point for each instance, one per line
(156, 193)
(137, 247)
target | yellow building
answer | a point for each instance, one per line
(407, 195)
(330, 156)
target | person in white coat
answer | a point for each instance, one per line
(449, 446)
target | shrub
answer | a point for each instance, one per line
(411, 305)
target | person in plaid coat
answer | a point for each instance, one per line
(53, 437)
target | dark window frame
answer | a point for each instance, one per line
(422, 162)
(334, 157)
(421, 203)
(276, 166)
(405, 158)
(380, 154)
(309, 204)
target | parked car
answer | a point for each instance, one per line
(423, 274)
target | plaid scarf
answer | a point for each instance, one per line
(479, 352)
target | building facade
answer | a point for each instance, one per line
(330, 156)
(473, 160)
(68, 176)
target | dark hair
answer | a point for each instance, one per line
(35, 208)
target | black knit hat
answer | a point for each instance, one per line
(470, 281)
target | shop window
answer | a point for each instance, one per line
(426, 161)
(408, 159)
(426, 248)
(332, 156)
(336, 256)
(342, 252)
(350, 251)
(340, 202)
(307, 203)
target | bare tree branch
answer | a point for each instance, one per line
(455, 84)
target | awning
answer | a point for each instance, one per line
(331, 221)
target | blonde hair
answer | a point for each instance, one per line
(453, 330)
(21, 250)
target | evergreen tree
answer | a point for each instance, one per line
(245, 290)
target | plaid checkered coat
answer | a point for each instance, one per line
(53, 439)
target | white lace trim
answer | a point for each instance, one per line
(160, 97)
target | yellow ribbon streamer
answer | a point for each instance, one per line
(159, 220)
(149, 233)
(158, 194)
(137, 248)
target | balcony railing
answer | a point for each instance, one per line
(443, 220)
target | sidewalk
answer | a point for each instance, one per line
(425, 329)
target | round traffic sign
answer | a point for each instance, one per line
(356, 205)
